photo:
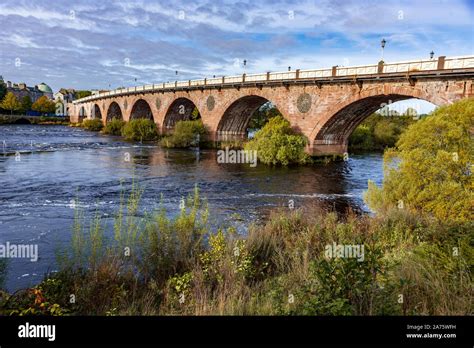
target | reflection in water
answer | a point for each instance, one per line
(67, 163)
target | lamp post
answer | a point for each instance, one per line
(289, 68)
(431, 55)
(382, 43)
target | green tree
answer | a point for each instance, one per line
(140, 129)
(186, 134)
(386, 133)
(10, 102)
(3, 89)
(195, 114)
(431, 170)
(82, 94)
(261, 116)
(26, 104)
(44, 105)
(276, 143)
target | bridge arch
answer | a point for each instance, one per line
(22, 120)
(181, 109)
(96, 113)
(332, 132)
(82, 112)
(141, 109)
(237, 115)
(114, 112)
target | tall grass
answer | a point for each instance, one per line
(157, 264)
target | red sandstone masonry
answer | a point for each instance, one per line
(333, 110)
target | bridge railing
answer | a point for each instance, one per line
(255, 77)
(315, 73)
(459, 62)
(440, 63)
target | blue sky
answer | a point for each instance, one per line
(94, 44)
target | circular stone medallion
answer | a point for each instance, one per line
(158, 103)
(304, 103)
(211, 102)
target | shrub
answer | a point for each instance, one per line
(430, 171)
(362, 138)
(114, 127)
(94, 125)
(276, 143)
(140, 130)
(186, 134)
(386, 133)
(377, 131)
(180, 266)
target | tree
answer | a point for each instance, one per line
(195, 114)
(82, 94)
(10, 102)
(26, 104)
(186, 134)
(261, 116)
(3, 89)
(430, 172)
(44, 105)
(276, 143)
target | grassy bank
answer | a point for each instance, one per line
(181, 265)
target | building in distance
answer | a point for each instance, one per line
(21, 90)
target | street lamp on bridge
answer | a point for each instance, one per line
(382, 43)
(431, 55)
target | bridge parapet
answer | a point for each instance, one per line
(414, 66)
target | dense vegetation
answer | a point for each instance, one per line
(379, 131)
(140, 129)
(261, 116)
(12, 104)
(114, 127)
(186, 134)
(431, 170)
(277, 144)
(94, 124)
(417, 260)
(158, 265)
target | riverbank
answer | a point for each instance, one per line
(298, 262)
(59, 164)
(36, 120)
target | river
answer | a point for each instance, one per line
(43, 169)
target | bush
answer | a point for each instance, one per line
(94, 125)
(377, 132)
(114, 127)
(180, 265)
(276, 143)
(362, 139)
(386, 133)
(186, 134)
(430, 171)
(140, 130)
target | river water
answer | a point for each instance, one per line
(43, 169)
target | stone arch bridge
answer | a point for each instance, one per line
(325, 105)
